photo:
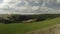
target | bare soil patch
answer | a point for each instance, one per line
(49, 30)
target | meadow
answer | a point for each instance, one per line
(22, 28)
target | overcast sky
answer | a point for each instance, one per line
(28, 6)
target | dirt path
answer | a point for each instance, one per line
(49, 30)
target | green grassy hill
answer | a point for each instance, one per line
(22, 28)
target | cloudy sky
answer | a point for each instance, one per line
(27, 6)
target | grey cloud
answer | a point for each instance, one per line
(29, 6)
(1, 1)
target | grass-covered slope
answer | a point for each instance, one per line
(21, 28)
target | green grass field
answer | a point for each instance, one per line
(21, 28)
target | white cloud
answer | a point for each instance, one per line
(23, 5)
(58, 1)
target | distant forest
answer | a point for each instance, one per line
(15, 18)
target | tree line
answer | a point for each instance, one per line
(14, 18)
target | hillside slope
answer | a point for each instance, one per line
(53, 27)
(50, 30)
(22, 28)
